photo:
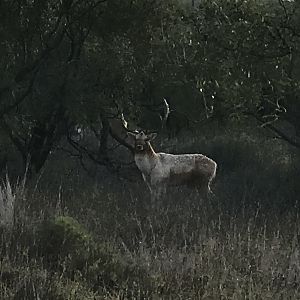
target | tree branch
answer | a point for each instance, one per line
(292, 141)
(19, 99)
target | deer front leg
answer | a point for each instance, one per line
(158, 192)
(154, 193)
(147, 182)
(155, 196)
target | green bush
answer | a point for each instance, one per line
(114, 271)
(63, 238)
(252, 171)
(66, 246)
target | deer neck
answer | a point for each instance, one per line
(150, 151)
(146, 160)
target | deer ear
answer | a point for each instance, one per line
(131, 137)
(131, 134)
(151, 136)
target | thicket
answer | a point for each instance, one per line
(242, 243)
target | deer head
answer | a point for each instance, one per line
(137, 140)
(141, 141)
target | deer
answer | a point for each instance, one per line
(160, 170)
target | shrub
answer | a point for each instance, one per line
(66, 246)
(62, 240)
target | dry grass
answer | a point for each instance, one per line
(186, 249)
(241, 244)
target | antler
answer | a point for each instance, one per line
(119, 118)
(118, 128)
(163, 117)
(166, 112)
(119, 125)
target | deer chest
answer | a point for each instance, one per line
(144, 164)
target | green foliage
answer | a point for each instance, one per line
(64, 238)
(249, 162)
(65, 245)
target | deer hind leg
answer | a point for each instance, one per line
(202, 192)
(209, 191)
(204, 189)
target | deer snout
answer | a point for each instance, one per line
(139, 147)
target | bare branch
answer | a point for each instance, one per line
(270, 125)
(20, 145)
(19, 99)
(121, 140)
(90, 155)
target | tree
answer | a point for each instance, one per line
(243, 57)
(41, 52)
(70, 63)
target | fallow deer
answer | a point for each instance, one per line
(160, 170)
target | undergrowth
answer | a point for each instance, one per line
(104, 242)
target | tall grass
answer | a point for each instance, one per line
(101, 241)
(187, 249)
(7, 205)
